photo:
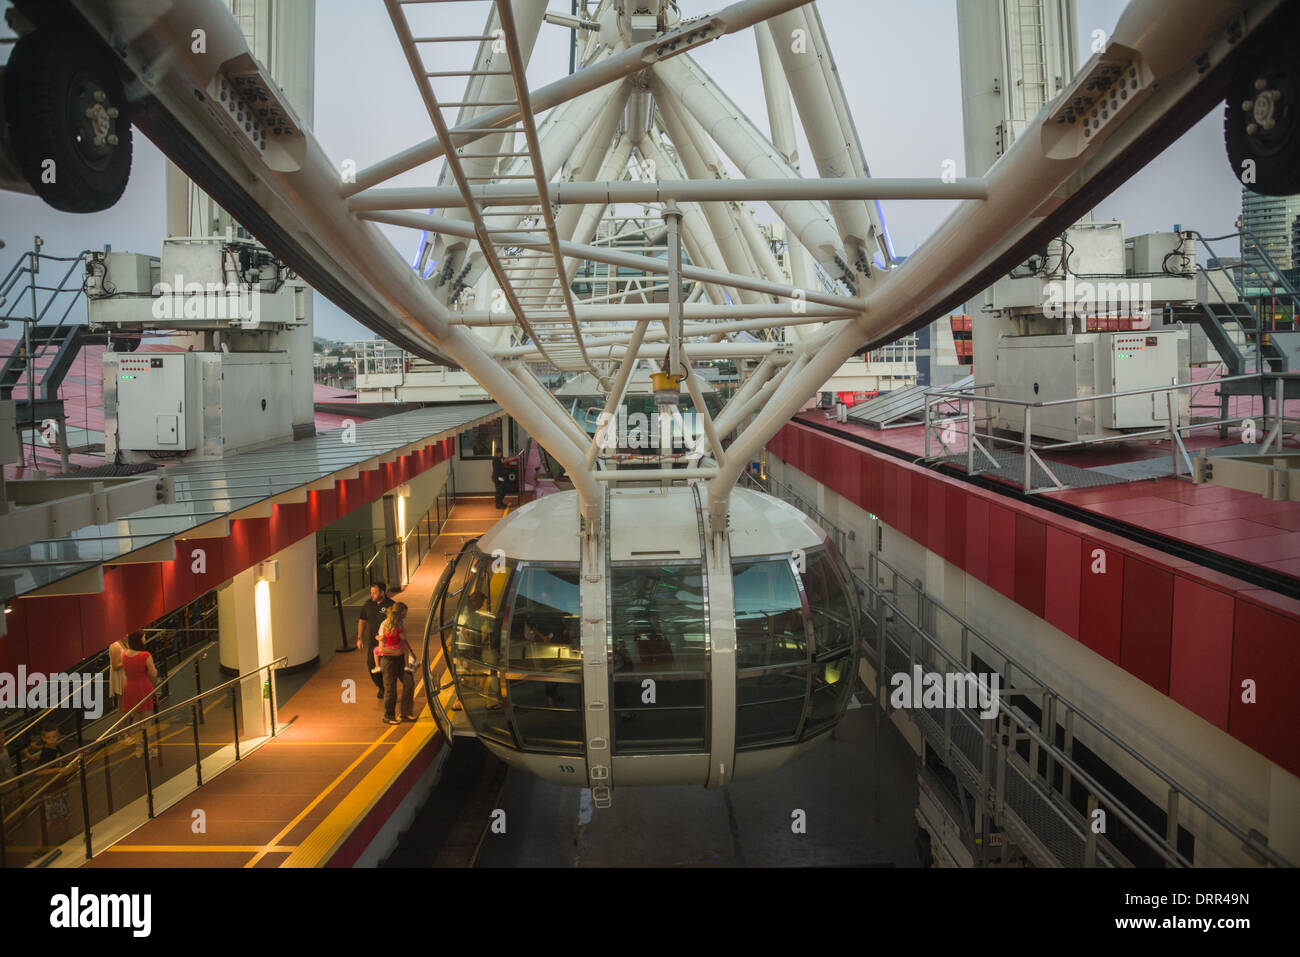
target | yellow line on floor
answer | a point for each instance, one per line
(211, 848)
(330, 833)
(340, 743)
(320, 797)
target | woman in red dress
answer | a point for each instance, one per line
(140, 675)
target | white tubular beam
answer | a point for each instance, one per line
(748, 190)
(580, 223)
(701, 241)
(602, 254)
(615, 398)
(615, 352)
(493, 85)
(559, 135)
(560, 419)
(817, 95)
(624, 63)
(529, 122)
(781, 121)
(699, 312)
(700, 163)
(702, 410)
(731, 255)
(777, 93)
(752, 153)
(763, 383)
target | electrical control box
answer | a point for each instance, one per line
(1140, 360)
(1080, 365)
(157, 400)
(195, 405)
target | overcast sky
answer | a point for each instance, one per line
(898, 63)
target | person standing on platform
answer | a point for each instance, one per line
(116, 676)
(141, 676)
(373, 613)
(393, 652)
(499, 480)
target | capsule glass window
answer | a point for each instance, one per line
(543, 650)
(833, 609)
(659, 631)
(476, 650)
(772, 652)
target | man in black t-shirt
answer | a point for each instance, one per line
(373, 613)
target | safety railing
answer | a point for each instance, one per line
(160, 690)
(89, 798)
(169, 642)
(1020, 766)
(949, 428)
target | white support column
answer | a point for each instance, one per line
(244, 642)
(722, 661)
(295, 626)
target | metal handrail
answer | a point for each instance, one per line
(74, 762)
(967, 394)
(1034, 681)
(1030, 451)
(41, 716)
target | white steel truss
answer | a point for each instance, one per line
(561, 209)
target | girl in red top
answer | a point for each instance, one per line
(140, 677)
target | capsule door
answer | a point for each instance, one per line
(437, 626)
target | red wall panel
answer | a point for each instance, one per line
(14, 645)
(102, 614)
(1061, 581)
(1148, 623)
(1002, 550)
(920, 506)
(1101, 600)
(977, 538)
(1266, 650)
(54, 629)
(954, 523)
(891, 507)
(1200, 662)
(844, 469)
(1031, 562)
(903, 501)
(936, 525)
(236, 547)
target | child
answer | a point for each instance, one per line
(391, 634)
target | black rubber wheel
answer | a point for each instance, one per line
(1265, 92)
(68, 122)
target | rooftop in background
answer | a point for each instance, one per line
(212, 493)
(1131, 484)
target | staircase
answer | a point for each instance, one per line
(1266, 351)
(33, 369)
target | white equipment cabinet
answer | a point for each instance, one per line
(195, 405)
(157, 399)
(1066, 366)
